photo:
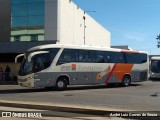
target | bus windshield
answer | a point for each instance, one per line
(155, 66)
(36, 61)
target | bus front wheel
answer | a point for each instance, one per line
(61, 84)
(126, 81)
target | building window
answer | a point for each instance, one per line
(34, 37)
(27, 17)
(17, 38)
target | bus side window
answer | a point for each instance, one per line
(107, 58)
(100, 57)
(90, 55)
(141, 58)
(84, 56)
(80, 56)
(136, 58)
(67, 56)
(130, 57)
(117, 57)
(64, 57)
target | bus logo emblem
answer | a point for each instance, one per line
(74, 67)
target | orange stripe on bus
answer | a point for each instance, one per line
(110, 74)
(119, 70)
(122, 69)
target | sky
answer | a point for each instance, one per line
(135, 23)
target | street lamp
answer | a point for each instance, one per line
(84, 18)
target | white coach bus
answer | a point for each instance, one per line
(61, 65)
(155, 67)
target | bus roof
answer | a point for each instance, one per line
(87, 47)
(155, 58)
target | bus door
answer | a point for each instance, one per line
(40, 63)
(40, 79)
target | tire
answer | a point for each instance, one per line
(61, 84)
(126, 81)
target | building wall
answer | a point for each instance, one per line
(46, 26)
(27, 37)
(71, 26)
(27, 20)
(5, 20)
(51, 19)
(63, 22)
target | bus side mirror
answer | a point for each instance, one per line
(18, 56)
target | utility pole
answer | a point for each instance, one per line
(84, 18)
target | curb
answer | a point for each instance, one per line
(75, 109)
(62, 107)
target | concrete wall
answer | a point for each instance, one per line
(71, 26)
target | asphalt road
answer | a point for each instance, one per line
(144, 96)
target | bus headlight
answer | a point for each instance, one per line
(28, 78)
(25, 79)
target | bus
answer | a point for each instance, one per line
(58, 66)
(155, 67)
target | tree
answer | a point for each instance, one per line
(158, 41)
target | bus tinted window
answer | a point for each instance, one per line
(66, 56)
(93, 56)
(39, 60)
(117, 57)
(75, 55)
(136, 58)
(108, 57)
(155, 66)
(141, 58)
(130, 57)
(53, 53)
(84, 55)
(98, 57)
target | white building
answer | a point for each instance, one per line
(66, 23)
(71, 26)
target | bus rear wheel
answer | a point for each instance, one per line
(61, 84)
(126, 81)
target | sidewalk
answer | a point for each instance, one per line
(70, 111)
(89, 110)
(8, 83)
(59, 107)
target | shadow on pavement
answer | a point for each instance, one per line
(70, 88)
(15, 91)
(155, 79)
(109, 86)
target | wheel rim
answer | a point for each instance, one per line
(126, 81)
(60, 84)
